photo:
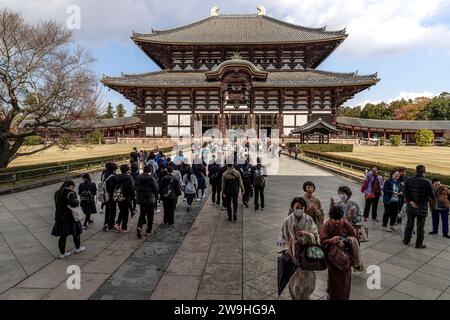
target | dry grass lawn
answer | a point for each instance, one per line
(436, 159)
(55, 154)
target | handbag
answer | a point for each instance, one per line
(363, 233)
(370, 196)
(312, 258)
(76, 213)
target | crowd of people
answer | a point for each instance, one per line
(336, 243)
(308, 240)
(149, 180)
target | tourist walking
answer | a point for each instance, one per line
(391, 193)
(372, 186)
(190, 185)
(231, 183)
(65, 222)
(151, 161)
(134, 158)
(247, 178)
(213, 175)
(169, 191)
(222, 170)
(87, 191)
(340, 243)
(313, 204)
(418, 192)
(352, 212)
(297, 232)
(440, 207)
(109, 184)
(199, 170)
(124, 194)
(146, 196)
(259, 184)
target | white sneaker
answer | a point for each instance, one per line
(198, 199)
(203, 196)
(387, 229)
(80, 250)
(65, 255)
(394, 228)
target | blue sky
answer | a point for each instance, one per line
(406, 42)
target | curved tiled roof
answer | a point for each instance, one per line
(301, 78)
(243, 29)
(314, 124)
(394, 124)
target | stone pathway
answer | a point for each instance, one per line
(203, 256)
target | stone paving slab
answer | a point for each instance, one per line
(140, 274)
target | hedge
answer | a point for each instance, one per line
(49, 168)
(329, 147)
(381, 166)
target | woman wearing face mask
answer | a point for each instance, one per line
(352, 211)
(340, 244)
(299, 230)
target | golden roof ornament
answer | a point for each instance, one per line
(237, 55)
(261, 11)
(215, 11)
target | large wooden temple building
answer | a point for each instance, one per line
(237, 72)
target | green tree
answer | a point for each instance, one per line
(109, 114)
(136, 112)
(120, 111)
(424, 137)
(395, 139)
(376, 111)
(436, 109)
(354, 112)
(94, 137)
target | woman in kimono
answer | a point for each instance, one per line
(341, 247)
(298, 230)
(352, 211)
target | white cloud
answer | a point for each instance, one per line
(374, 26)
(402, 95)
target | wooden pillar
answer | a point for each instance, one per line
(368, 133)
(310, 104)
(164, 115)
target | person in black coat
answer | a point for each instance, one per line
(169, 201)
(87, 191)
(109, 178)
(213, 175)
(247, 177)
(418, 192)
(65, 225)
(199, 171)
(126, 190)
(146, 195)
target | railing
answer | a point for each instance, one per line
(342, 166)
(18, 175)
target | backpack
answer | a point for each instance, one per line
(247, 175)
(260, 181)
(118, 195)
(167, 190)
(102, 193)
(86, 196)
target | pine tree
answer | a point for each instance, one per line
(109, 114)
(120, 111)
(136, 112)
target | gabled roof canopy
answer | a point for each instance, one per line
(318, 125)
(237, 63)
